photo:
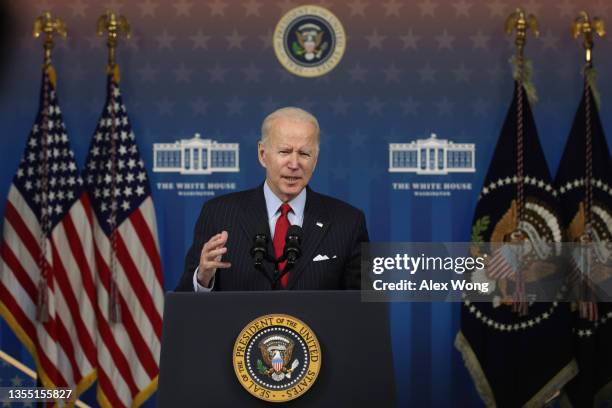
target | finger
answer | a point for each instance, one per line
(216, 253)
(218, 239)
(216, 264)
(223, 236)
(212, 243)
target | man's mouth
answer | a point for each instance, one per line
(291, 179)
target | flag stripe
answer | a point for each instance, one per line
(133, 302)
(137, 344)
(144, 353)
(147, 270)
(65, 341)
(148, 215)
(116, 355)
(148, 242)
(73, 313)
(22, 276)
(24, 234)
(82, 285)
(138, 286)
(111, 393)
(19, 273)
(108, 337)
(26, 324)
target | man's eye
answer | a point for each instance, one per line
(284, 152)
(305, 154)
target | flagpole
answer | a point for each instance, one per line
(521, 23)
(113, 25)
(583, 25)
(48, 26)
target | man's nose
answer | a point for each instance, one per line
(293, 161)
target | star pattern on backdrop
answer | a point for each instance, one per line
(357, 8)
(148, 8)
(462, 8)
(480, 40)
(392, 8)
(410, 40)
(252, 8)
(199, 40)
(165, 40)
(375, 40)
(428, 8)
(182, 8)
(234, 40)
(217, 8)
(253, 62)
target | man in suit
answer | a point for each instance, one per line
(219, 258)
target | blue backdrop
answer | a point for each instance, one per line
(410, 69)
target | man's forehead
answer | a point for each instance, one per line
(285, 124)
(293, 130)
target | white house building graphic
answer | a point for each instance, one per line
(432, 156)
(196, 156)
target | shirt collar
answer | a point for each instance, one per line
(273, 202)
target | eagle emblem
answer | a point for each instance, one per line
(309, 44)
(276, 351)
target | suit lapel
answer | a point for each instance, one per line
(315, 225)
(255, 220)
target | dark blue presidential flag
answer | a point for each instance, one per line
(583, 181)
(517, 351)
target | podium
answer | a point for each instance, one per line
(200, 329)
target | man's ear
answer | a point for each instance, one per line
(261, 154)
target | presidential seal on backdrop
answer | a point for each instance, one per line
(309, 41)
(277, 358)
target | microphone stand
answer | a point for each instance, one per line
(274, 282)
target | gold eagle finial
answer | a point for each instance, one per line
(113, 25)
(522, 23)
(583, 24)
(49, 26)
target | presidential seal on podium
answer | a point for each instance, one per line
(277, 358)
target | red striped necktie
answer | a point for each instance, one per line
(280, 232)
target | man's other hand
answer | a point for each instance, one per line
(210, 258)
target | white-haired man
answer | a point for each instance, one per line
(332, 231)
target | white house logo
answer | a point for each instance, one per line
(196, 156)
(432, 156)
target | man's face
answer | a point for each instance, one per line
(289, 156)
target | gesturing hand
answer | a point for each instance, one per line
(210, 258)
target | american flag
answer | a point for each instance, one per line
(502, 263)
(128, 260)
(47, 289)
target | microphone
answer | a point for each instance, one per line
(259, 250)
(293, 242)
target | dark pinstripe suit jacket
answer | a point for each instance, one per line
(330, 227)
